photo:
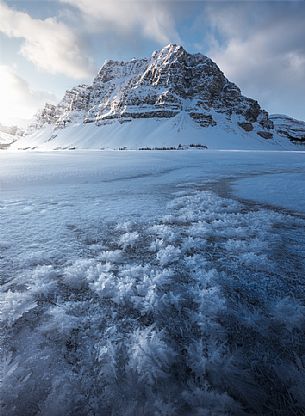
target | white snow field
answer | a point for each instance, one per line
(152, 132)
(136, 283)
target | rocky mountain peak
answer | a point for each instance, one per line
(118, 69)
(161, 86)
(170, 51)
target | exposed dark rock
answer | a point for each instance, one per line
(246, 126)
(151, 114)
(264, 120)
(203, 120)
(265, 134)
(253, 112)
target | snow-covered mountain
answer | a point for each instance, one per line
(288, 127)
(8, 135)
(169, 98)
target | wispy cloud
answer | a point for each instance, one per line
(49, 44)
(152, 19)
(20, 100)
(261, 47)
(258, 44)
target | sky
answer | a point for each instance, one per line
(48, 46)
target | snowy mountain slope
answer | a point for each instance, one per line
(8, 135)
(288, 127)
(170, 98)
(6, 138)
(180, 129)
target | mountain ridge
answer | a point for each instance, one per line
(167, 86)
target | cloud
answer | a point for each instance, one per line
(18, 100)
(49, 44)
(153, 19)
(260, 46)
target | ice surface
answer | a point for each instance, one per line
(283, 189)
(135, 283)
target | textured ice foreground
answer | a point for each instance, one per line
(131, 288)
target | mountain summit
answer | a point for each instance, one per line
(169, 98)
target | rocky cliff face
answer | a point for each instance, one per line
(169, 82)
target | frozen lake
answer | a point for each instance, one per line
(44, 196)
(132, 278)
